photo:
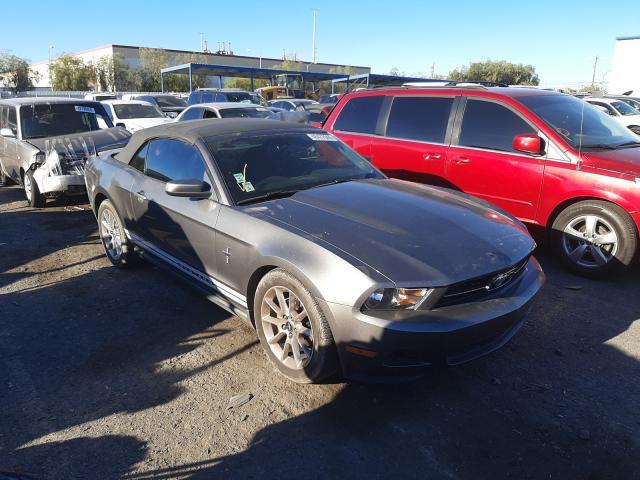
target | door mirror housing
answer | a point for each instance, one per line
(7, 132)
(528, 143)
(188, 188)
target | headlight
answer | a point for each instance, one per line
(396, 298)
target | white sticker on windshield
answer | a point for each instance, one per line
(239, 177)
(322, 137)
(248, 187)
(80, 108)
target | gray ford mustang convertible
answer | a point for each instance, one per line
(334, 264)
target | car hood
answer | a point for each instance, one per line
(412, 234)
(83, 143)
(623, 160)
(135, 124)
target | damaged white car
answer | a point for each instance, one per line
(45, 142)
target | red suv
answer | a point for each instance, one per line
(550, 159)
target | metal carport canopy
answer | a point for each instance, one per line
(191, 69)
(379, 80)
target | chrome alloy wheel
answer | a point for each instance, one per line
(110, 234)
(286, 327)
(590, 241)
(27, 186)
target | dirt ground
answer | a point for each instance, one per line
(128, 374)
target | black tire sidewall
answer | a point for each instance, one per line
(616, 217)
(324, 359)
(37, 199)
(128, 256)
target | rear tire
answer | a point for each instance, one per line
(594, 238)
(293, 329)
(117, 246)
(34, 198)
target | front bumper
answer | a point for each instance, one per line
(63, 184)
(376, 349)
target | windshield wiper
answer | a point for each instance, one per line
(628, 144)
(600, 146)
(267, 196)
(333, 182)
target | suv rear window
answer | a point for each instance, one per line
(419, 118)
(491, 126)
(360, 115)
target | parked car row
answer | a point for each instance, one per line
(299, 232)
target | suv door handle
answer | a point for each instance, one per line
(432, 156)
(463, 161)
(141, 196)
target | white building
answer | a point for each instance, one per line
(625, 71)
(131, 55)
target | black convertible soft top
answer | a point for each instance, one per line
(194, 130)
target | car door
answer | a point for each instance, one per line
(359, 121)
(177, 229)
(11, 153)
(416, 136)
(483, 162)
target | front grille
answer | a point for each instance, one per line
(73, 163)
(486, 285)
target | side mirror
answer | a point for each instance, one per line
(7, 132)
(120, 124)
(188, 188)
(528, 143)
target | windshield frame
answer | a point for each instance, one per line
(236, 200)
(97, 106)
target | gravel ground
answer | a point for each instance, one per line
(128, 374)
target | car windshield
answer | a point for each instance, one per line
(624, 108)
(578, 122)
(634, 103)
(137, 110)
(170, 101)
(258, 100)
(256, 167)
(244, 113)
(53, 119)
(238, 96)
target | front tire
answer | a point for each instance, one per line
(34, 198)
(117, 246)
(293, 329)
(594, 238)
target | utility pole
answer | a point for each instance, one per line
(314, 53)
(593, 77)
(201, 41)
(433, 69)
(49, 67)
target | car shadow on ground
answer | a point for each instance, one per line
(559, 401)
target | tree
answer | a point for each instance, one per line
(343, 70)
(15, 72)
(71, 73)
(290, 64)
(499, 71)
(152, 60)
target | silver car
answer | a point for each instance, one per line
(44, 143)
(332, 263)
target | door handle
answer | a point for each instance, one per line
(463, 161)
(432, 156)
(141, 196)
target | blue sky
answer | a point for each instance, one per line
(560, 39)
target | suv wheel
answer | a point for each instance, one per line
(292, 328)
(593, 238)
(118, 248)
(31, 191)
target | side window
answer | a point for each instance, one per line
(12, 120)
(491, 126)
(174, 160)
(419, 118)
(220, 97)
(360, 115)
(192, 114)
(206, 98)
(210, 114)
(3, 116)
(607, 107)
(138, 159)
